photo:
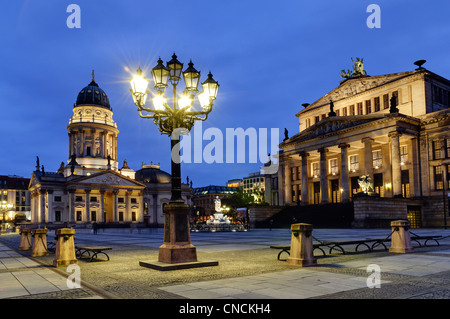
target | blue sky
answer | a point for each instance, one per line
(268, 56)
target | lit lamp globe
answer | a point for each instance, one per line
(139, 90)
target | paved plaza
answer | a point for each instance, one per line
(248, 268)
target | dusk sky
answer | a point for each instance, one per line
(269, 58)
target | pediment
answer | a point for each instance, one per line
(354, 86)
(107, 178)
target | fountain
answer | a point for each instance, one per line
(218, 221)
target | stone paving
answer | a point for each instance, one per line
(248, 269)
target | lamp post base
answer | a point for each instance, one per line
(177, 252)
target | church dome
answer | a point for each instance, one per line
(151, 174)
(92, 94)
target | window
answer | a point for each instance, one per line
(447, 147)
(377, 159)
(354, 163)
(355, 185)
(121, 200)
(324, 116)
(436, 149)
(79, 216)
(88, 151)
(57, 198)
(78, 198)
(316, 119)
(360, 108)
(334, 166)
(352, 110)
(438, 184)
(403, 154)
(386, 101)
(315, 169)
(133, 201)
(133, 216)
(145, 208)
(93, 216)
(344, 111)
(337, 112)
(376, 102)
(368, 106)
(120, 216)
(308, 123)
(57, 215)
(94, 199)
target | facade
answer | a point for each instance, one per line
(91, 188)
(392, 128)
(14, 191)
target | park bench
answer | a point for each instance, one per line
(95, 250)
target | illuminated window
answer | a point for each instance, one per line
(354, 163)
(403, 154)
(334, 169)
(436, 149)
(377, 159)
(315, 168)
(438, 184)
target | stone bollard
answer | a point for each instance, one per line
(25, 239)
(65, 247)
(302, 250)
(400, 240)
(39, 243)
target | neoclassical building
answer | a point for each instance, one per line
(393, 128)
(91, 187)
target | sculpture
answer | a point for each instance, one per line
(358, 70)
(365, 183)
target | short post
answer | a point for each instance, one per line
(39, 243)
(65, 247)
(25, 239)
(302, 250)
(400, 240)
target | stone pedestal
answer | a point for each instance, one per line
(65, 247)
(25, 239)
(39, 243)
(400, 239)
(177, 252)
(302, 250)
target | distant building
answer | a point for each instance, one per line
(254, 184)
(237, 182)
(203, 198)
(14, 191)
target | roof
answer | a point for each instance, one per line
(92, 94)
(14, 182)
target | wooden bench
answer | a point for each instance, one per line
(95, 250)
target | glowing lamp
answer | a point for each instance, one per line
(210, 87)
(139, 89)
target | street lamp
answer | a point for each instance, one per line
(4, 208)
(175, 120)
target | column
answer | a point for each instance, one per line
(368, 156)
(396, 168)
(323, 176)
(42, 218)
(87, 205)
(344, 172)
(304, 156)
(287, 182)
(102, 206)
(115, 212)
(71, 206)
(280, 185)
(50, 214)
(415, 189)
(444, 166)
(127, 216)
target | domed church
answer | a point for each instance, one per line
(90, 187)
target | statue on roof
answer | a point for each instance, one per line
(358, 69)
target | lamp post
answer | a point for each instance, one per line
(4, 208)
(175, 120)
